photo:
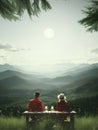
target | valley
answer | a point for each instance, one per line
(18, 87)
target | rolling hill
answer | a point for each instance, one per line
(4, 67)
(78, 82)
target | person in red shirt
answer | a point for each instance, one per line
(35, 104)
(62, 104)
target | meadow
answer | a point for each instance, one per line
(81, 123)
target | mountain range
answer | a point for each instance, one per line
(15, 85)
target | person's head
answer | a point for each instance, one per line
(61, 97)
(37, 94)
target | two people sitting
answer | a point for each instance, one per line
(37, 105)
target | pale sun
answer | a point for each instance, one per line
(49, 33)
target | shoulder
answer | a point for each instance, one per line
(58, 103)
(31, 100)
(39, 100)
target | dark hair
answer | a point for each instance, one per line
(37, 94)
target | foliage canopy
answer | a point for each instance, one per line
(13, 9)
(91, 19)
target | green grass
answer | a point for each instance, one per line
(83, 123)
(12, 123)
(86, 123)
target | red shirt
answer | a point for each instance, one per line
(35, 105)
(62, 106)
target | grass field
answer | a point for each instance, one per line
(86, 123)
(12, 123)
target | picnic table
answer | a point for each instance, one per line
(65, 118)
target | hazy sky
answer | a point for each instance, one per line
(55, 37)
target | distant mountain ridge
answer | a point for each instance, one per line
(12, 81)
(4, 67)
(81, 81)
(9, 73)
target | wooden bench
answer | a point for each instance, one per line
(65, 118)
